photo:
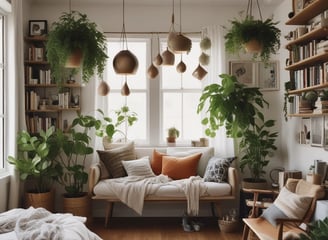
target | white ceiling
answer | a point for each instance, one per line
(164, 2)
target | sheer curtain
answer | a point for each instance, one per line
(223, 146)
(15, 107)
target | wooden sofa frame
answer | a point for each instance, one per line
(94, 176)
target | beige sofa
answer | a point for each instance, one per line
(215, 192)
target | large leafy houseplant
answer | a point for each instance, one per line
(75, 146)
(74, 32)
(318, 230)
(36, 159)
(238, 109)
(247, 29)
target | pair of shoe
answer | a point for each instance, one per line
(189, 226)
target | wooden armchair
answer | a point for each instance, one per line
(274, 227)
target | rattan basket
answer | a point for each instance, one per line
(228, 226)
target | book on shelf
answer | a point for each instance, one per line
(36, 54)
(34, 124)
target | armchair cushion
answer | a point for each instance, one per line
(287, 205)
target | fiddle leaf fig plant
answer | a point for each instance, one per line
(238, 109)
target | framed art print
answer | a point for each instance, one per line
(268, 76)
(38, 27)
(244, 71)
(317, 131)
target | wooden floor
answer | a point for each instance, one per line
(159, 229)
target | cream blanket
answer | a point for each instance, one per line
(132, 190)
(40, 224)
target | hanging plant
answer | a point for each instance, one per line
(73, 32)
(249, 30)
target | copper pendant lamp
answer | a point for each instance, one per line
(125, 62)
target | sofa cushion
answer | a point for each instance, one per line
(156, 161)
(287, 205)
(138, 167)
(217, 170)
(180, 167)
(112, 159)
(207, 153)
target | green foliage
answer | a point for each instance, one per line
(231, 104)
(324, 95)
(75, 146)
(173, 132)
(256, 145)
(318, 230)
(109, 127)
(74, 31)
(36, 159)
(247, 29)
(238, 109)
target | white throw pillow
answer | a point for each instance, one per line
(138, 167)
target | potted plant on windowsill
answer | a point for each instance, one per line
(109, 127)
(262, 37)
(238, 109)
(74, 33)
(172, 134)
(37, 166)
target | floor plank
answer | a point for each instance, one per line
(149, 228)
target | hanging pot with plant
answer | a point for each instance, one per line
(73, 33)
(261, 38)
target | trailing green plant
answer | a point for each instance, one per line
(257, 143)
(75, 146)
(36, 159)
(230, 104)
(318, 230)
(71, 32)
(238, 109)
(123, 116)
(246, 29)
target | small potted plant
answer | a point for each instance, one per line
(37, 166)
(109, 127)
(74, 42)
(261, 38)
(172, 134)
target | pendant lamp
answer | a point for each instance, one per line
(125, 62)
(177, 42)
(152, 71)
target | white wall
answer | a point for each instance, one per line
(157, 18)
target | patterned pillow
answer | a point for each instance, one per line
(112, 159)
(287, 205)
(138, 167)
(217, 169)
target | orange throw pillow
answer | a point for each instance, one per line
(180, 167)
(156, 162)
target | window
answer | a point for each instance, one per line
(169, 100)
(2, 95)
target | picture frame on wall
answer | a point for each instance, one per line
(268, 76)
(305, 128)
(298, 5)
(38, 27)
(244, 71)
(317, 131)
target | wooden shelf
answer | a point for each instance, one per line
(318, 33)
(311, 61)
(54, 110)
(71, 85)
(308, 13)
(299, 91)
(307, 115)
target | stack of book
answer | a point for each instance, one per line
(321, 106)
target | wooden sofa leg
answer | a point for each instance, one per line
(109, 212)
(245, 232)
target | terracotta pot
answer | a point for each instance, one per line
(45, 200)
(75, 59)
(78, 206)
(171, 139)
(249, 183)
(253, 46)
(125, 62)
